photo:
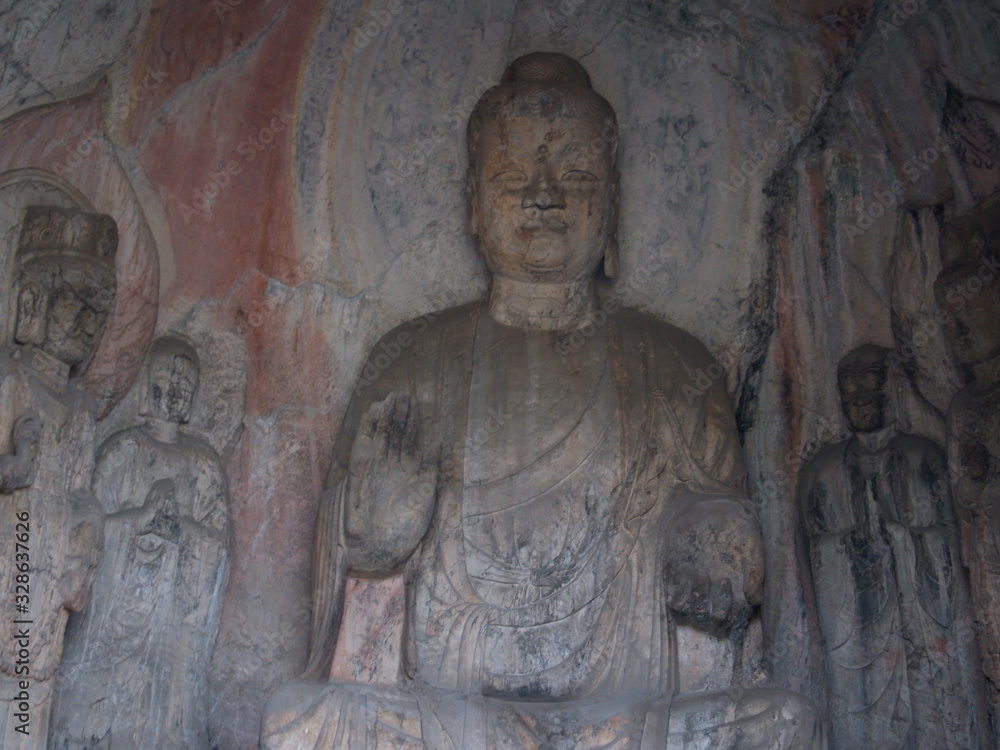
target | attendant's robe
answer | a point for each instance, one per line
(974, 458)
(135, 672)
(892, 597)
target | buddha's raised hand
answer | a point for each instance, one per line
(391, 487)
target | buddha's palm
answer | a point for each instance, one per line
(391, 487)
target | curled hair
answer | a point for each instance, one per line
(543, 84)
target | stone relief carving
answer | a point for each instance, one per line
(561, 494)
(135, 672)
(129, 329)
(891, 593)
(970, 298)
(51, 524)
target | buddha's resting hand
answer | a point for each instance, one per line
(391, 487)
(714, 565)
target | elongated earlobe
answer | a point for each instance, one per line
(470, 193)
(611, 257)
(611, 268)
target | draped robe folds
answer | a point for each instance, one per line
(536, 600)
(892, 597)
(974, 425)
(135, 672)
(63, 538)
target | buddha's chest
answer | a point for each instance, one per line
(541, 460)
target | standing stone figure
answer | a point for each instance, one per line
(970, 294)
(559, 490)
(135, 673)
(50, 525)
(891, 592)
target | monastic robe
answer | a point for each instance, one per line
(892, 597)
(538, 594)
(974, 457)
(135, 672)
(59, 542)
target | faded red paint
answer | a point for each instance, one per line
(69, 140)
(215, 138)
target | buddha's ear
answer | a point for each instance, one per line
(611, 267)
(30, 314)
(471, 196)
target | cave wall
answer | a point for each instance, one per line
(292, 178)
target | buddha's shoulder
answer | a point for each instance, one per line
(414, 348)
(641, 329)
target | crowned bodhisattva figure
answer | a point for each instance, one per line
(51, 527)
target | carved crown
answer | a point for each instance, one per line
(55, 233)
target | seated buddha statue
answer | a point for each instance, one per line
(559, 503)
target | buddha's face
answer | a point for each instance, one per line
(863, 394)
(543, 196)
(973, 322)
(173, 380)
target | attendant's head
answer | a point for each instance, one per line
(171, 380)
(65, 282)
(863, 381)
(969, 295)
(542, 182)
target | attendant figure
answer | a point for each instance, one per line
(970, 295)
(135, 672)
(51, 527)
(891, 592)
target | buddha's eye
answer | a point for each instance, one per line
(578, 175)
(510, 175)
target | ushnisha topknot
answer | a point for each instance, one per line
(546, 67)
(543, 84)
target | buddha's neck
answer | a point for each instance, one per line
(876, 440)
(163, 430)
(988, 373)
(547, 307)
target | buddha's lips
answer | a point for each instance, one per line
(543, 226)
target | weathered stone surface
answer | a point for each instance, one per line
(135, 669)
(818, 253)
(891, 591)
(563, 494)
(52, 528)
(968, 291)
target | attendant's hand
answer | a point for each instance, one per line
(17, 470)
(714, 566)
(392, 486)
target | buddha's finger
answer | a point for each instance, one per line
(383, 434)
(402, 427)
(722, 601)
(412, 434)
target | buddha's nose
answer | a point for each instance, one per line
(544, 193)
